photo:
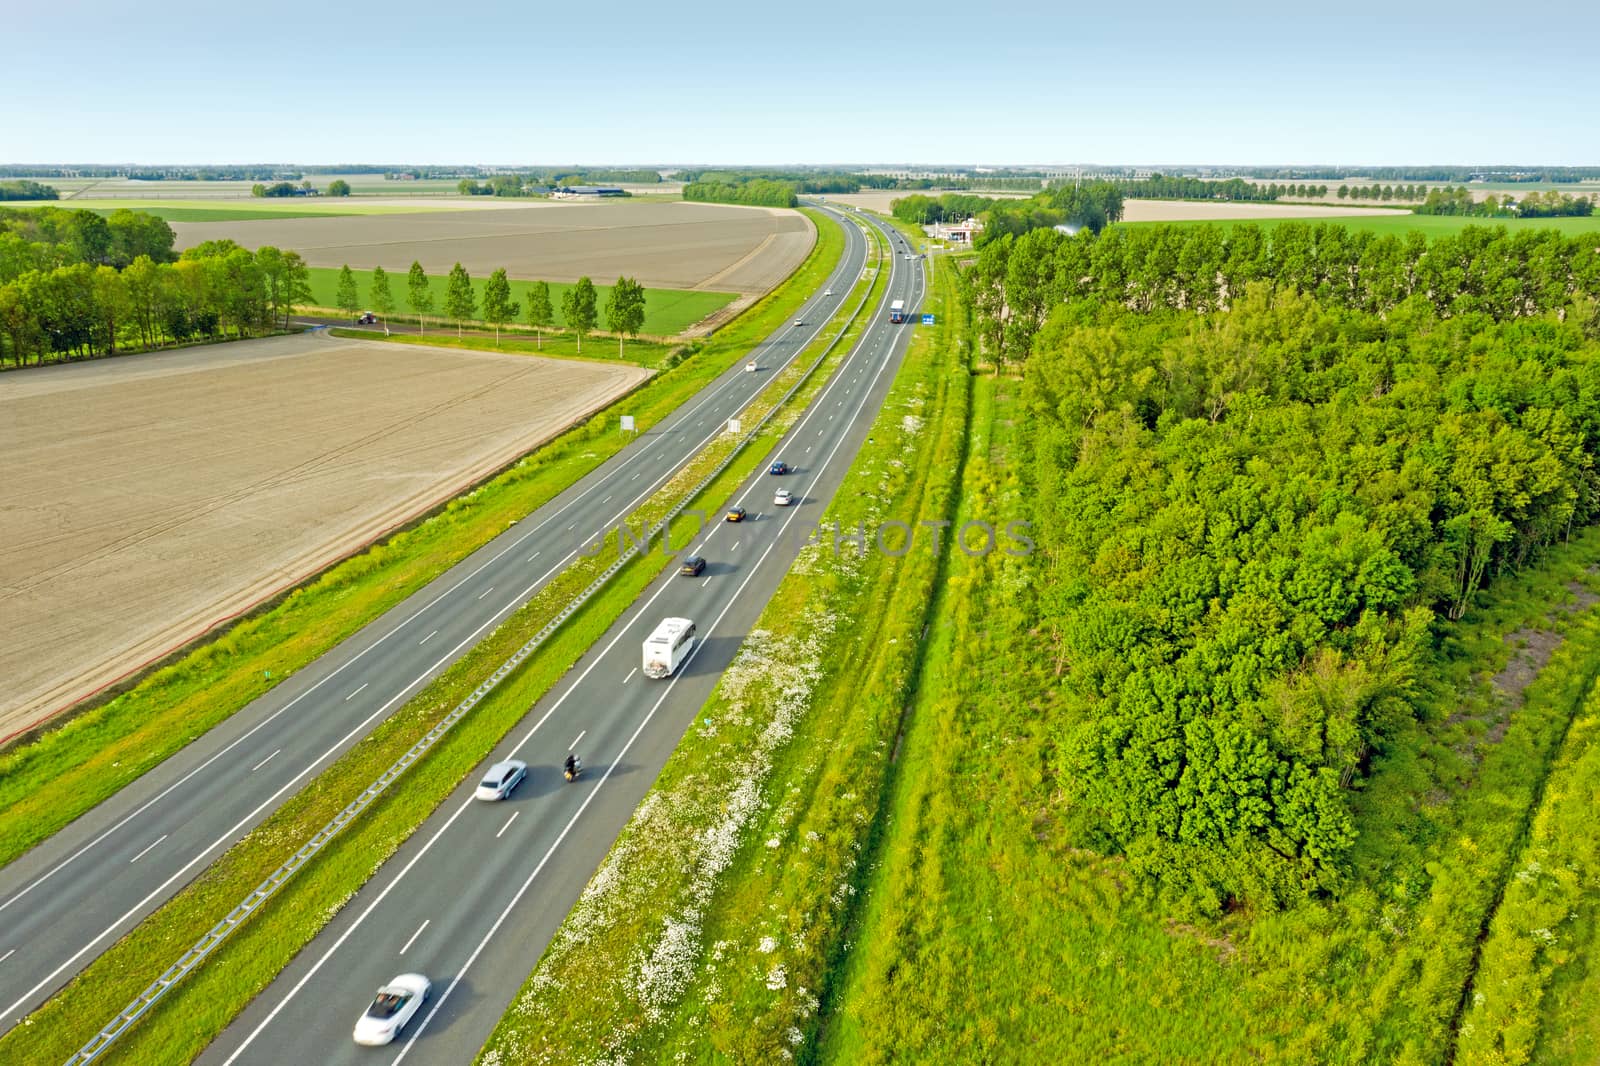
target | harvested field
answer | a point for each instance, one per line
(153, 497)
(663, 245)
(881, 200)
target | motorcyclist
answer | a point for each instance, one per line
(571, 766)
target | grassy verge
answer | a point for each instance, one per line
(985, 933)
(1538, 962)
(49, 781)
(666, 311)
(644, 353)
(198, 1009)
(708, 930)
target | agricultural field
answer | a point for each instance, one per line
(202, 210)
(710, 247)
(201, 481)
(667, 312)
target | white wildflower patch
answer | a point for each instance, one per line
(767, 946)
(796, 1037)
(777, 977)
(772, 842)
(911, 424)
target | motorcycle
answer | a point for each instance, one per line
(572, 769)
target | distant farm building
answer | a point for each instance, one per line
(588, 190)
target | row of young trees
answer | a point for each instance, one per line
(624, 312)
(214, 290)
(1406, 193)
(1249, 518)
(1161, 187)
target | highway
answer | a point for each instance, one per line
(473, 897)
(71, 897)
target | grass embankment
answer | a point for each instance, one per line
(181, 1025)
(49, 781)
(1533, 995)
(652, 354)
(708, 930)
(1432, 225)
(667, 312)
(984, 933)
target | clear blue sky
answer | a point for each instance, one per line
(557, 81)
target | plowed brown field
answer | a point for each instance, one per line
(149, 498)
(662, 245)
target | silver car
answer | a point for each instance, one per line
(501, 779)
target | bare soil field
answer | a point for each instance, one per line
(150, 498)
(663, 245)
(1200, 210)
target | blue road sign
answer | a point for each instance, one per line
(927, 320)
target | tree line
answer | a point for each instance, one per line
(1266, 468)
(1407, 193)
(214, 290)
(760, 192)
(1460, 201)
(27, 190)
(1159, 187)
(624, 312)
(1015, 282)
(43, 238)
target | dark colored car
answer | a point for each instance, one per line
(692, 566)
(778, 468)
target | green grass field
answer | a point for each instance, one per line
(1432, 225)
(667, 312)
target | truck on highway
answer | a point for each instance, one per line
(897, 311)
(668, 646)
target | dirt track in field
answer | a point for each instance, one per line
(151, 497)
(665, 245)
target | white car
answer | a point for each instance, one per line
(799, 321)
(827, 292)
(749, 368)
(783, 497)
(501, 778)
(395, 1004)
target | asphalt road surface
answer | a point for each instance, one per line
(473, 897)
(71, 897)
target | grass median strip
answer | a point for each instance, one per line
(47, 782)
(709, 928)
(181, 1024)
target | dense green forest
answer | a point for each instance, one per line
(1268, 468)
(74, 284)
(760, 192)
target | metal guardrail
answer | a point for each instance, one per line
(203, 947)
